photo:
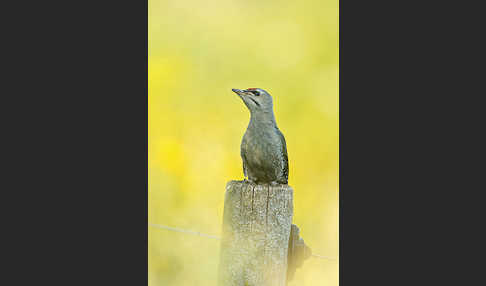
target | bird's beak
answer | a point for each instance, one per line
(238, 91)
(247, 99)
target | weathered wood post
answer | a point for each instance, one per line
(256, 228)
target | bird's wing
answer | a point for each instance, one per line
(284, 154)
(243, 157)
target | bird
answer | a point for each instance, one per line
(263, 147)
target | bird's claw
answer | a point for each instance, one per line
(248, 181)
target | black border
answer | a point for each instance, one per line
(408, 128)
(78, 209)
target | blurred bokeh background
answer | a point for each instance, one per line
(198, 51)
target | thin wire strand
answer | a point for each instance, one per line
(197, 233)
(184, 231)
(323, 257)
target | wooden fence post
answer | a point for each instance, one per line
(256, 228)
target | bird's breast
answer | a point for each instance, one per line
(261, 147)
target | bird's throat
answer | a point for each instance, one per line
(261, 118)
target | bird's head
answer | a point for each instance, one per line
(256, 99)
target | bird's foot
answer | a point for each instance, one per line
(250, 181)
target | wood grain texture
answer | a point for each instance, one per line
(256, 228)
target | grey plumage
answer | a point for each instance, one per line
(263, 148)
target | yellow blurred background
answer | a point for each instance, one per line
(198, 52)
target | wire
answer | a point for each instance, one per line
(323, 257)
(184, 231)
(197, 233)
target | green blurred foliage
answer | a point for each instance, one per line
(198, 51)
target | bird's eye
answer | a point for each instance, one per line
(255, 92)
